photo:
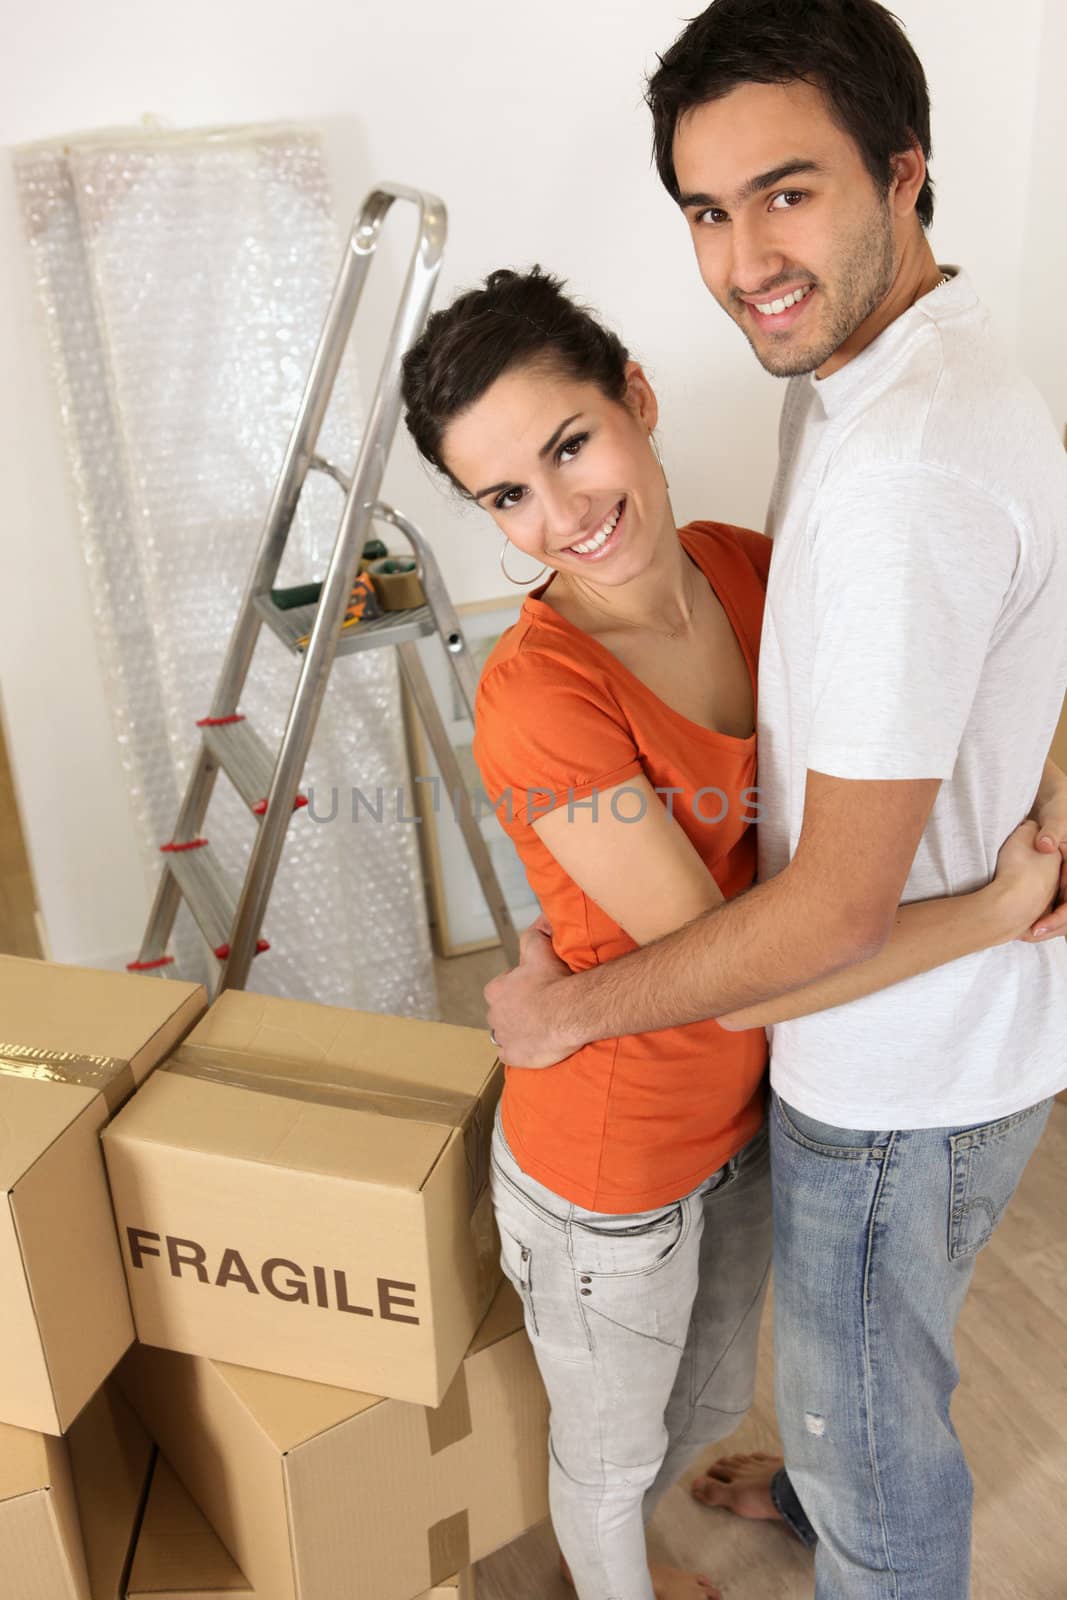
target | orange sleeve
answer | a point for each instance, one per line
(546, 734)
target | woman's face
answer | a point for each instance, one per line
(569, 475)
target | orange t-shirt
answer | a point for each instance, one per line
(632, 1123)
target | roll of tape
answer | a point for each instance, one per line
(396, 583)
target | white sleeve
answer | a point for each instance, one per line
(911, 570)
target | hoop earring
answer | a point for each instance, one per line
(520, 583)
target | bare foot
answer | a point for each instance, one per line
(669, 1583)
(742, 1484)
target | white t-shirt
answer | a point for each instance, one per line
(916, 627)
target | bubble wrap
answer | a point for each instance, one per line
(184, 279)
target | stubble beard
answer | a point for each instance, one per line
(865, 278)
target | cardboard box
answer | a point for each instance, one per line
(179, 1556)
(73, 1045)
(319, 1493)
(111, 1459)
(69, 1509)
(41, 1555)
(304, 1190)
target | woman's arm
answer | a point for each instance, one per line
(628, 854)
(929, 933)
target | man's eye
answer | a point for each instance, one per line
(711, 218)
(787, 200)
(570, 447)
(508, 498)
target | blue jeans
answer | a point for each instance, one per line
(876, 1235)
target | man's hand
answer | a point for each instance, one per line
(520, 1003)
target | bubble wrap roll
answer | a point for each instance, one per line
(184, 279)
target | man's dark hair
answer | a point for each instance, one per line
(515, 319)
(854, 51)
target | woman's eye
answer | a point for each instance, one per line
(507, 499)
(787, 200)
(712, 218)
(570, 447)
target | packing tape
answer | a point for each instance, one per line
(449, 1544)
(396, 591)
(355, 1089)
(107, 1075)
(450, 1422)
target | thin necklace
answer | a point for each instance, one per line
(666, 633)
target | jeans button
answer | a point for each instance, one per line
(585, 1279)
(587, 1291)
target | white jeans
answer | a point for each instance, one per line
(645, 1330)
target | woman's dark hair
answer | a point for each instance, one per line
(516, 319)
(854, 51)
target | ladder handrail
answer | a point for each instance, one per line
(425, 264)
(411, 313)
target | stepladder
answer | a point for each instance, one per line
(230, 915)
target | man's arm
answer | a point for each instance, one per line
(833, 905)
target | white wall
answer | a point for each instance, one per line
(1043, 305)
(528, 120)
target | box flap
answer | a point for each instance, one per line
(85, 1012)
(24, 1462)
(111, 1459)
(292, 1410)
(178, 1552)
(32, 1116)
(73, 1266)
(503, 1318)
(216, 1119)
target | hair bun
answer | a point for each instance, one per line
(502, 276)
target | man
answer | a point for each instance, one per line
(914, 663)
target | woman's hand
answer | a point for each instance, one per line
(1050, 814)
(1027, 884)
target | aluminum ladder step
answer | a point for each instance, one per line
(205, 889)
(240, 752)
(393, 627)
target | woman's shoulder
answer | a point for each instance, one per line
(719, 544)
(540, 649)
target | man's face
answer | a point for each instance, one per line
(792, 235)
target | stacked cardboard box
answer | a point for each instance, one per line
(320, 1492)
(303, 1189)
(327, 1361)
(70, 1508)
(74, 1044)
(179, 1556)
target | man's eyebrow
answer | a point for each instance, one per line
(754, 186)
(545, 450)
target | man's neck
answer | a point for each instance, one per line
(917, 274)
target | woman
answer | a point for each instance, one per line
(615, 723)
